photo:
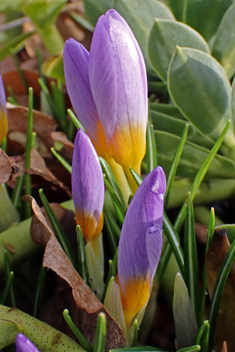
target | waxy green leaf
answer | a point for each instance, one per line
(192, 157)
(204, 16)
(185, 321)
(200, 88)
(165, 35)
(224, 43)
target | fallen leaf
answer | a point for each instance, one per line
(225, 325)
(5, 167)
(86, 301)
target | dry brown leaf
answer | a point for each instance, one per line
(14, 167)
(43, 124)
(225, 325)
(56, 260)
(5, 167)
(62, 138)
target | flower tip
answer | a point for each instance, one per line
(23, 344)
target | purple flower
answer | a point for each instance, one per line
(141, 243)
(108, 90)
(87, 187)
(23, 344)
(3, 112)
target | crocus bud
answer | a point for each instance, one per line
(3, 112)
(141, 243)
(87, 187)
(108, 90)
(23, 344)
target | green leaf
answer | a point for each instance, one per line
(151, 150)
(58, 230)
(100, 334)
(220, 277)
(224, 43)
(200, 88)
(205, 16)
(190, 258)
(44, 13)
(193, 348)
(185, 322)
(53, 67)
(191, 159)
(167, 109)
(94, 9)
(202, 337)
(47, 338)
(174, 165)
(163, 122)
(177, 8)
(174, 240)
(9, 6)
(165, 35)
(140, 16)
(233, 102)
(13, 45)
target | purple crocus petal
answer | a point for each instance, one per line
(76, 59)
(23, 344)
(3, 112)
(118, 78)
(87, 186)
(141, 243)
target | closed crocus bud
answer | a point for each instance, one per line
(87, 187)
(141, 243)
(108, 90)
(118, 83)
(3, 112)
(23, 344)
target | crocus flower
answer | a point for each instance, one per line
(23, 344)
(3, 112)
(108, 90)
(141, 243)
(87, 187)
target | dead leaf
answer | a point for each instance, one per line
(14, 167)
(43, 124)
(62, 138)
(5, 167)
(225, 325)
(56, 260)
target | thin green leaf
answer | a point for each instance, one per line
(151, 151)
(7, 288)
(13, 44)
(81, 338)
(80, 20)
(210, 232)
(138, 179)
(190, 258)
(75, 120)
(112, 228)
(82, 263)
(199, 177)
(57, 228)
(174, 165)
(7, 267)
(100, 334)
(63, 162)
(174, 241)
(135, 337)
(202, 337)
(39, 292)
(218, 290)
